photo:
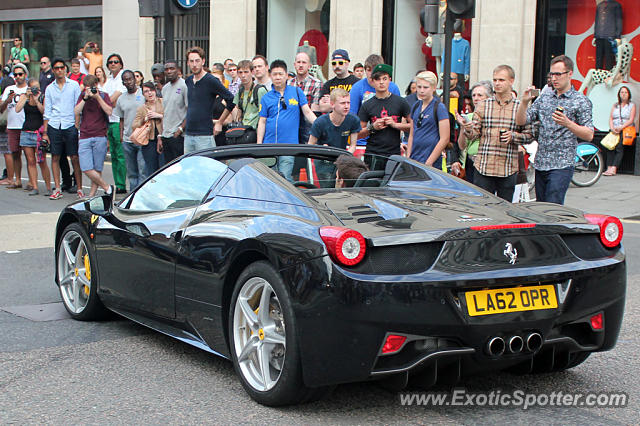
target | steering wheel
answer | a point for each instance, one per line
(304, 184)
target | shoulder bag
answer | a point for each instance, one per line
(610, 141)
(140, 136)
(628, 135)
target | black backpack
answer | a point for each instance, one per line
(254, 96)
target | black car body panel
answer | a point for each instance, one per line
(174, 270)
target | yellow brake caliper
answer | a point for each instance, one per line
(256, 311)
(87, 273)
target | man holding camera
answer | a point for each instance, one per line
(564, 115)
(15, 120)
(91, 51)
(93, 109)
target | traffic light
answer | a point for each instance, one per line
(462, 9)
(430, 17)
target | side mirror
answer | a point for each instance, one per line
(100, 206)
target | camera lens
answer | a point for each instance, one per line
(94, 90)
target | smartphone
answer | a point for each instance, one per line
(535, 92)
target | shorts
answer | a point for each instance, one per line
(63, 141)
(14, 140)
(92, 152)
(29, 139)
(4, 143)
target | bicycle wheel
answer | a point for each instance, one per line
(588, 169)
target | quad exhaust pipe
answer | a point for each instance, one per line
(497, 346)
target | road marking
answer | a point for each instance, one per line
(12, 251)
(629, 221)
(27, 231)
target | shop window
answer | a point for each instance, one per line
(586, 31)
(293, 23)
(55, 38)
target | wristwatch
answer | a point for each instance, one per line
(180, 129)
(370, 128)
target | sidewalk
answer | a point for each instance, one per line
(615, 195)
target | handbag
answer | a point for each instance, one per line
(140, 136)
(610, 141)
(628, 135)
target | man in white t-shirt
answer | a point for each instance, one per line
(114, 88)
(15, 120)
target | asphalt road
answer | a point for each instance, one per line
(65, 372)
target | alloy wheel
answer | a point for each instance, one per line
(259, 334)
(74, 269)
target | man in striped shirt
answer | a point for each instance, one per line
(494, 121)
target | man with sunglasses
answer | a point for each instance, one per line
(564, 115)
(280, 112)
(46, 73)
(18, 52)
(114, 88)
(15, 120)
(343, 80)
(59, 124)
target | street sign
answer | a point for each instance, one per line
(186, 4)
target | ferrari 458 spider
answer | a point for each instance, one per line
(251, 253)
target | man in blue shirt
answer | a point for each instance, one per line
(60, 125)
(280, 113)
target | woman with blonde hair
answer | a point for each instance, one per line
(429, 133)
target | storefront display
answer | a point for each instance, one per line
(600, 36)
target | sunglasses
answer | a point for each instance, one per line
(334, 63)
(113, 62)
(283, 104)
(59, 67)
(18, 74)
(557, 74)
(44, 62)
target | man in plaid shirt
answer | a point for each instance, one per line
(311, 88)
(494, 121)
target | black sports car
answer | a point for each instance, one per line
(250, 253)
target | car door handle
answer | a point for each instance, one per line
(177, 236)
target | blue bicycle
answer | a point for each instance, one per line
(589, 165)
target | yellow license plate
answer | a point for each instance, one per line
(499, 301)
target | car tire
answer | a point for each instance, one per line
(268, 342)
(77, 275)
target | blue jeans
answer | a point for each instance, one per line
(552, 185)
(135, 164)
(92, 152)
(196, 143)
(285, 167)
(151, 158)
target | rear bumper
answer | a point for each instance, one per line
(343, 320)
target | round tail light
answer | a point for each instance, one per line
(610, 228)
(344, 245)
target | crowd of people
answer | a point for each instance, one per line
(78, 110)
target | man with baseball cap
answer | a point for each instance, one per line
(381, 119)
(340, 62)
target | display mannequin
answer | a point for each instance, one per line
(436, 41)
(607, 32)
(460, 54)
(617, 74)
(315, 70)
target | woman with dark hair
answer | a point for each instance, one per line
(139, 78)
(152, 111)
(411, 88)
(623, 113)
(33, 104)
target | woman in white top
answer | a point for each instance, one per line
(623, 113)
